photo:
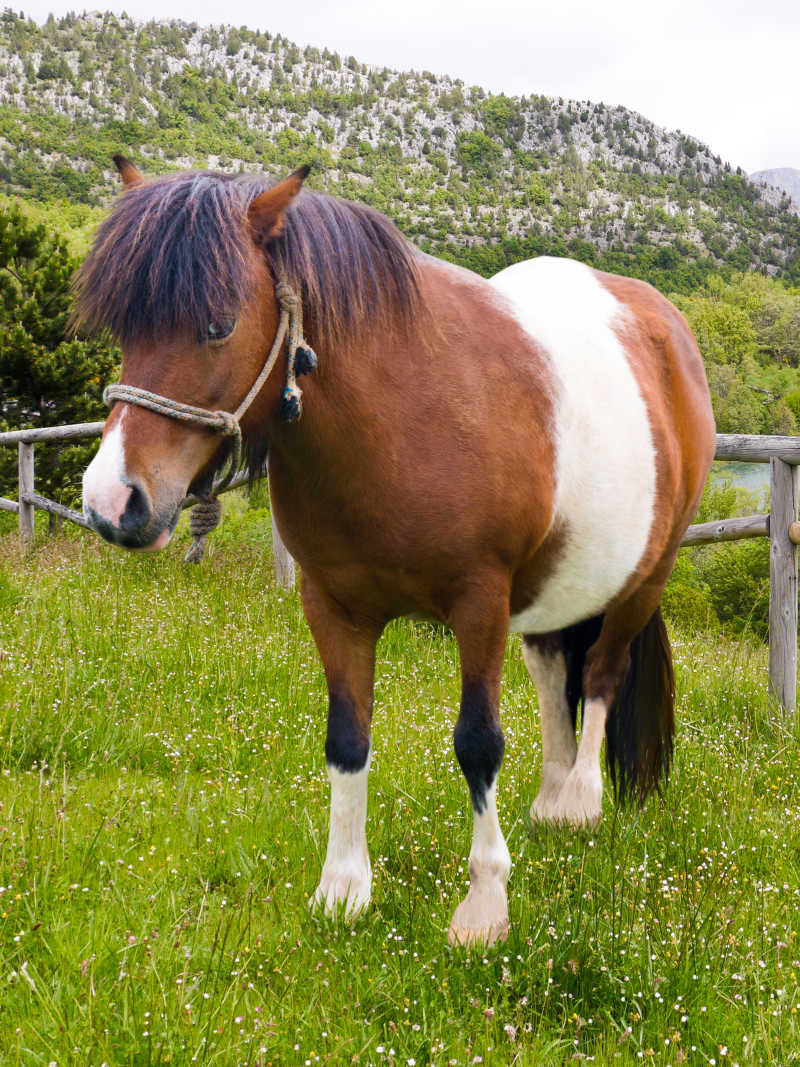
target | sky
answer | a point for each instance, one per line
(724, 71)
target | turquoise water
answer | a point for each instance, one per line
(751, 476)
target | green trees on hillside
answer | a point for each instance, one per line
(503, 118)
(47, 377)
(748, 330)
(478, 153)
(608, 186)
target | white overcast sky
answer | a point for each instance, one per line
(725, 71)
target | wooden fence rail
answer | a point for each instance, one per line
(780, 525)
(28, 500)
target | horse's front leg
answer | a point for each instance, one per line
(347, 649)
(481, 629)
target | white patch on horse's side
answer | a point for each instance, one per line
(346, 874)
(580, 802)
(483, 915)
(605, 458)
(549, 673)
(104, 488)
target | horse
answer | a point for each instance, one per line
(521, 454)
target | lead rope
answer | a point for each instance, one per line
(301, 359)
(203, 518)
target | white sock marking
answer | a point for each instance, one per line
(489, 857)
(347, 873)
(549, 674)
(482, 916)
(580, 801)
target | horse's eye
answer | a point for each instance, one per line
(220, 330)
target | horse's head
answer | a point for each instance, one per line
(177, 273)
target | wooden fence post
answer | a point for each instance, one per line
(26, 511)
(782, 584)
(284, 564)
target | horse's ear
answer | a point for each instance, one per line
(266, 212)
(131, 176)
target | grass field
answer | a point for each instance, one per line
(163, 818)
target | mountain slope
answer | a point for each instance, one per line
(786, 179)
(479, 177)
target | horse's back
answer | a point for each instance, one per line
(628, 386)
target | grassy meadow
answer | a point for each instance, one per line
(163, 819)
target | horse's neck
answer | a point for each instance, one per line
(375, 388)
(342, 401)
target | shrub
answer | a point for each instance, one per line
(47, 377)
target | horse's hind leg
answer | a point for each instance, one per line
(580, 802)
(547, 665)
(347, 650)
(482, 917)
(638, 691)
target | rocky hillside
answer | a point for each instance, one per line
(786, 179)
(480, 177)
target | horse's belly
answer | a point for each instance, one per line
(605, 465)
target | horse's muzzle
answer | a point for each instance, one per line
(137, 527)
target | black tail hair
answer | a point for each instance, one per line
(641, 720)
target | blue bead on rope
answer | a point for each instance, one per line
(300, 358)
(291, 404)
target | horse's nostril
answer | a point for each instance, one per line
(137, 511)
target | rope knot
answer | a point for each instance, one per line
(286, 297)
(228, 424)
(204, 518)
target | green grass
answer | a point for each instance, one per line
(163, 818)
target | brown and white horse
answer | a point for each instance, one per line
(522, 454)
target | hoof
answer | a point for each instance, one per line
(481, 918)
(579, 802)
(544, 808)
(483, 936)
(342, 892)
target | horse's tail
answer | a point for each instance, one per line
(641, 720)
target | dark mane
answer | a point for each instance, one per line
(176, 253)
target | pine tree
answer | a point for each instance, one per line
(47, 376)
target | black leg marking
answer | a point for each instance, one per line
(347, 743)
(478, 741)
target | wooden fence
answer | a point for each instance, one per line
(780, 525)
(28, 500)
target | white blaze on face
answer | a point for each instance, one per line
(104, 488)
(605, 458)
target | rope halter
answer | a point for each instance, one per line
(301, 359)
